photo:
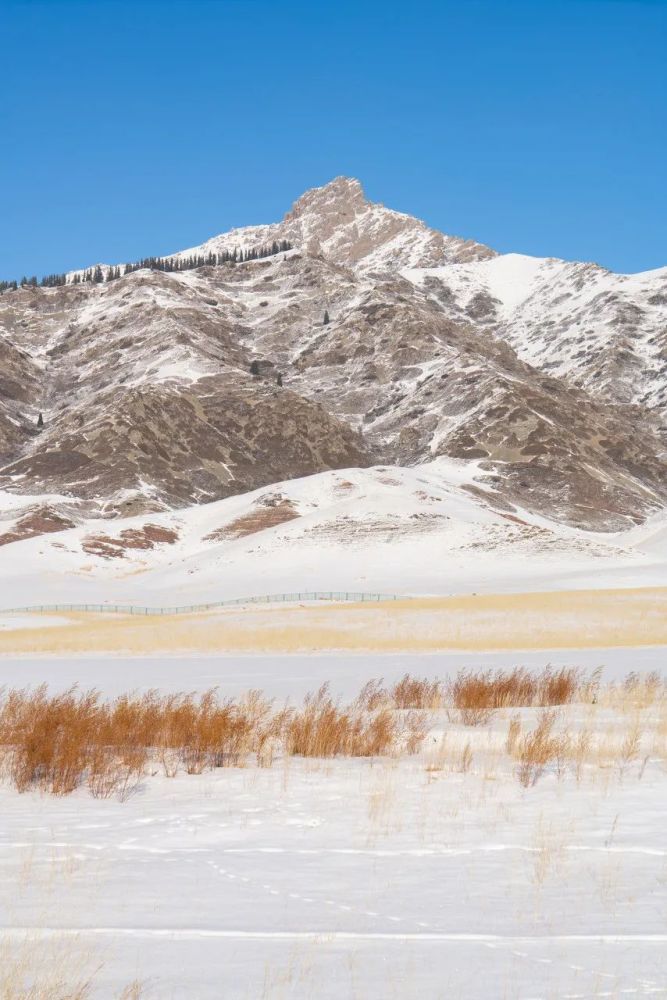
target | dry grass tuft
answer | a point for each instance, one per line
(636, 692)
(477, 695)
(417, 692)
(539, 749)
(323, 729)
(37, 968)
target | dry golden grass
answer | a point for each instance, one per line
(36, 968)
(323, 729)
(619, 741)
(477, 694)
(416, 692)
(539, 748)
(636, 691)
(57, 743)
(551, 620)
(26, 989)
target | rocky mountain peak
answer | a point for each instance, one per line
(342, 197)
(338, 222)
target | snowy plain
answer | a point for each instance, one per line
(412, 877)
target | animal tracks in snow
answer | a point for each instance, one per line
(425, 932)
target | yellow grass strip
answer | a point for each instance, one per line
(552, 620)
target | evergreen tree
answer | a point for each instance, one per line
(40, 420)
(97, 275)
(254, 368)
(326, 317)
(279, 380)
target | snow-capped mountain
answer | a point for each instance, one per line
(374, 340)
(337, 222)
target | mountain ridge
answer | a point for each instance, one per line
(161, 389)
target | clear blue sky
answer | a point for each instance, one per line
(132, 128)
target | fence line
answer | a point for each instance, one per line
(133, 609)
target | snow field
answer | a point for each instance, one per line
(427, 876)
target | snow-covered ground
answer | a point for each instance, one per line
(292, 677)
(385, 529)
(372, 879)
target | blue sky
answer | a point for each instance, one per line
(137, 128)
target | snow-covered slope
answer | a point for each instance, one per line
(603, 331)
(431, 529)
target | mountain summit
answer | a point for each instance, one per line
(341, 198)
(336, 221)
(347, 334)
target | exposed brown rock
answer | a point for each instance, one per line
(146, 537)
(42, 521)
(269, 512)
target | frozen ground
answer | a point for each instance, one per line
(405, 879)
(294, 676)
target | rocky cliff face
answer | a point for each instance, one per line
(162, 389)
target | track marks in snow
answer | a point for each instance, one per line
(426, 933)
(308, 900)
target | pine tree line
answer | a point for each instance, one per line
(235, 256)
(96, 275)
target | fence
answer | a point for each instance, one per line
(133, 609)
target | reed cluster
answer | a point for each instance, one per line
(58, 742)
